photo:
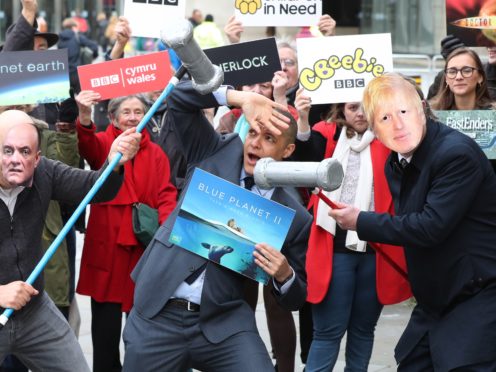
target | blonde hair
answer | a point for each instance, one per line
(109, 31)
(69, 23)
(384, 87)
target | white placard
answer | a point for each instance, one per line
(148, 17)
(336, 69)
(278, 12)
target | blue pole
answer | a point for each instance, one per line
(98, 184)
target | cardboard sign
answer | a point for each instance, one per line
(222, 222)
(336, 69)
(480, 125)
(473, 22)
(33, 77)
(126, 76)
(247, 63)
(148, 17)
(278, 12)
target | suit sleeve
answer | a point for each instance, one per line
(72, 184)
(295, 252)
(20, 36)
(311, 150)
(197, 136)
(167, 192)
(456, 178)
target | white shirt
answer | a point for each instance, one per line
(9, 197)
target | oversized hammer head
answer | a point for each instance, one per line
(327, 174)
(179, 36)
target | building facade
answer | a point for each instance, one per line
(416, 26)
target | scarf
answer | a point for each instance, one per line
(363, 190)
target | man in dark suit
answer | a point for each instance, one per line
(443, 188)
(178, 322)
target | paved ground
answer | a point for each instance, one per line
(391, 325)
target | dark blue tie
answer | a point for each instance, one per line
(249, 182)
(190, 279)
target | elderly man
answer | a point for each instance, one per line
(37, 333)
(443, 189)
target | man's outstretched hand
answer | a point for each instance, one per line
(259, 111)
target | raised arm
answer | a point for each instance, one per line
(91, 147)
(233, 30)
(259, 110)
(122, 34)
(20, 35)
(327, 25)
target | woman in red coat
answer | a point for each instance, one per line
(111, 249)
(362, 281)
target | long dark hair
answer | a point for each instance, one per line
(336, 115)
(445, 99)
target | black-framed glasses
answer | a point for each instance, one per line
(288, 62)
(466, 71)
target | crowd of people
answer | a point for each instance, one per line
(416, 217)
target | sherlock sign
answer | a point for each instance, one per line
(33, 77)
(337, 69)
(147, 17)
(247, 63)
(278, 12)
(126, 76)
(480, 125)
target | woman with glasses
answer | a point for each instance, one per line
(466, 83)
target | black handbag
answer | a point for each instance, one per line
(145, 222)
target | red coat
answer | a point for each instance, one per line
(391, 286)
(110, 249)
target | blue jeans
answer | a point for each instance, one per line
(351, 306)
(41, 339)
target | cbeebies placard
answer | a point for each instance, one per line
(337, 68)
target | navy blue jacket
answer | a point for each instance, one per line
(445, 201)
(72, 42)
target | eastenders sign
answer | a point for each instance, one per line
(480, 125)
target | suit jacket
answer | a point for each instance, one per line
(445, 202)
(164, 266)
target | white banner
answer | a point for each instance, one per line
(148, 17)
(336, 69)
(278, 12)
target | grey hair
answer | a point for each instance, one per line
(285, 44)
(115, 104)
